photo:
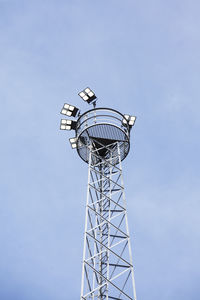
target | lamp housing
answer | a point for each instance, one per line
(87, 95)
(67, 124)
(128, 120)
(69, 110)
(73, 142)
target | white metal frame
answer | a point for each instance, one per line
(107, 269)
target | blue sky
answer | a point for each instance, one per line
(140, 57)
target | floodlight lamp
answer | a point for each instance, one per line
(87, 95)
(73, 142)
(67, 125)
(69, 110)
(128, 120)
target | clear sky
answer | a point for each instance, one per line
(140, 57)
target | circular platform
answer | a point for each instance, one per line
(102, 130)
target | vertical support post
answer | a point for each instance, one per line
(86, 220)
(127, 227)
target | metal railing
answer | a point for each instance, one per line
(99, 116)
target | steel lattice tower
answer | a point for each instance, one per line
(103, 140)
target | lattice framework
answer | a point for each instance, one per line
(107, 271)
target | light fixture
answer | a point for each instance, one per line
(69, 110)
(73, 142)
(87, 95)
(67, 124)
(130, 120)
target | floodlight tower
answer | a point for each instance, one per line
(102, 140)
